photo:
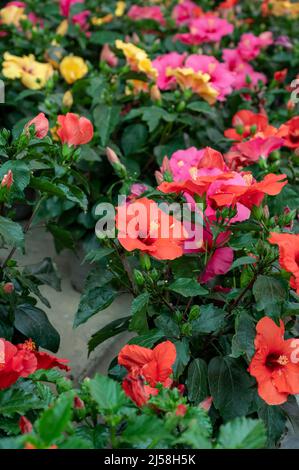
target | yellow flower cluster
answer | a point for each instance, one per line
(33, 74)
(198, 82)
(137, 59)
(283, 8)
(12, 15)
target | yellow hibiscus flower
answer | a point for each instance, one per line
(137, 59)
(120, 8)
(33, 74)
(198, 82)
(72, 68)
(12, 15)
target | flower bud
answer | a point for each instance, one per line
(155, 93)
(181, 410)
(78, 403)
(25, 425)
(67, 99)
(138, 276)
(145, 261)
(8, 288)
(7, 180)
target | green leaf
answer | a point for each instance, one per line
(98, 294)
(106, 119)
(138, 322)
(46, 272)
(11, 232)
(104, 37)
(112, 329)
(201, 107)
(19, 398)
(197, 381)
(242, 433)
(62, 237)
(269, 294)
(187, 287)
(107, 393)
(146, 431)
(244, 260)
(168, 326)
(230, 387)
(243, 340)
(148, 340)
(96, 255)
(211, 319)
(33, 323)
(55, 420)
(134, 139)
(274, 419)
(182, 357)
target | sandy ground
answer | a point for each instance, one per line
(73, 346)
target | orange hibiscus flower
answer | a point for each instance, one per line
(146, 368)
(290, 132)
(143, 226)
(248, 124)
(275, 364)
(288, 254)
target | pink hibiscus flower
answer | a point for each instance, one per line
(221, 78)
(171, 60)
(146, 13)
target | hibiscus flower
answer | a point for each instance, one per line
(290, 133)
(143, 226)
(288, 254)
(146, 368)
(248, 124)
(24, 359)
(275, 364)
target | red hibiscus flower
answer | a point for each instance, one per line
(143, 226)
(275, 364)
(288, 255)
(248, 124)
(146, 368)
(290, 132)
(22, 360)
(74, 130)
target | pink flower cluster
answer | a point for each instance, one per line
(207, 28)
(146, 13)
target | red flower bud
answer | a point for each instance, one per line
(181, 410)
(25, 425)
(7, 180)
(8, 288)
(78, 403)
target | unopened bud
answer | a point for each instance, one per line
(155, 93)
(112, 157)
(67, 99)
(7, 180)
(145, 261)
(8, 288)
(78, 403)
(25, 425)
(139, 279)
(159, 177)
